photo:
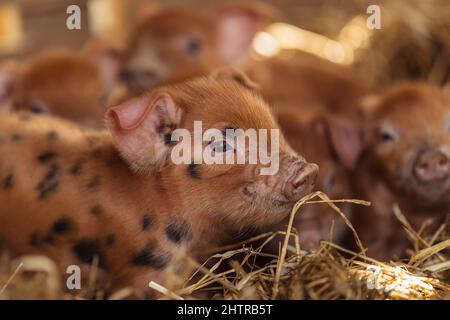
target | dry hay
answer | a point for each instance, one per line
(413, 44)
(329, 272)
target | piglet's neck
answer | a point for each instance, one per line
(207, 231)
(154, 194)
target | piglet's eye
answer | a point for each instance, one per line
(387, 134)
(386, 137)
(192, 46)
(36, 108)
(221, 146)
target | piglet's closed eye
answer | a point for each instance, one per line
(138, 128)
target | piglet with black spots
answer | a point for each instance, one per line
(73, 86)
(117, 196)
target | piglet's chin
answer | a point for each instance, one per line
(432, 195)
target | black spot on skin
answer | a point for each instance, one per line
(76, 169)
(46, 157)
(52, 136)
(49, 183)
(87, 249)
(110, 239)
(178, 230)
(53, 172)
(93, 183)
(35, 240)
(97, 210)
(148, 257)
(193, 171)
(8, 182)
(43, 193)
(147, 222)
(16, 137)
(62, 226)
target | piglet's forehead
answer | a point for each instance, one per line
(225, 102)
(171, 22)
(416, 113)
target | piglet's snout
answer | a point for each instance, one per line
(432, 165)
(139, 80)
(301, 181)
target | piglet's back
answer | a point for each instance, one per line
(66, 177)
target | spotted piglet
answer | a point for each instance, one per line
(73, 86)
(75, 195)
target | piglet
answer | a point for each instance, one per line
(77, 194)
(168, 45)
(402, 158)
(61, 83)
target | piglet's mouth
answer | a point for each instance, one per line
(252, 196)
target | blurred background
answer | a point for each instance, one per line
(413, 42)
(38, 24)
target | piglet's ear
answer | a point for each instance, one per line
(8, 77)
(106, 57)
(233, 74)
(147, 11)
(236, 26)
(346, 141)
(139, 128)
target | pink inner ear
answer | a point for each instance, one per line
(235, 34)
(7, 78)
(346, 142)
(130, 114)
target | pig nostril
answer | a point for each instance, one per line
(305, 179)
(443, 162)
(432, 166)
(302, 182)
(299, 183)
